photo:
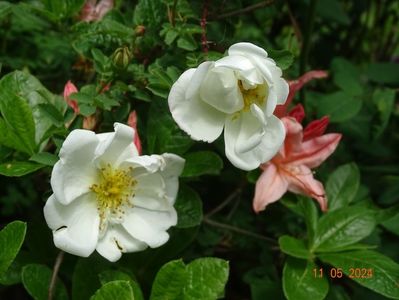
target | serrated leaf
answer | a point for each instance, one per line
(118, 289)
(384, 271)
(202, 162)
(19, 168)
(36, 280)
(342, 228)
(300, 283)
(283, 58)
(294, 247)
(19, 120)
(189, 208)
(342, 186)
(187, 42)
(169, 281)
(113, 275)
(206, 278)
(11, 239)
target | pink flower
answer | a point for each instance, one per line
(69, 89)
(295, 86)
(290, 170)
(93, 11)
(132, 122)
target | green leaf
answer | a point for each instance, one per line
(339, 106)
(202, 162)
(36, 280)
(163, 135)
(19, 120)
(52, 113)
(206, 279)
(283, 58)
(332, 10)
(118, 289)
(342, 186)
(311, 215)
(346, 76)
(189, 207)
(300, 282)
(44, 158)
(85, 280)
(169, 281)
(11, 239)
(384, 99)
(5, 9)
(294, 247)
(187, 42)
(384, 271)
(28, 88)
(113, 275)
(343, 227)
(19, 168)
(384, 72)
(392, 224)
(149, 13)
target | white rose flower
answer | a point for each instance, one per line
(239, 93)
(107, 198)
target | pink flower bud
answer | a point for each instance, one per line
(132, 122)
(69, 89)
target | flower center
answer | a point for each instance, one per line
(256, 95)
(114, 191)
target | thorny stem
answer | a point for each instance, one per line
(204, 41)
(56, 268)
(244, 10)
(238, 230)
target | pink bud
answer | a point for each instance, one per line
(298, 112)
(132, 122)
(69, 89)
(315, 128)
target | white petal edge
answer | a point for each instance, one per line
(117, 241)
(75, 172)
(196, 118)
(247, 48)
(75, 226)
(150, 226)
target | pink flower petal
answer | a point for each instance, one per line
(315, 128)
(295, 86)
(270, 187)
(132, 122)
(69, 89)
(293, 136)
(301, 181)
(316, 150)
(297, 112)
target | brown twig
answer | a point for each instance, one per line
(294, 23)
(204, 41)
(244, 10)
(238, 230)
(230, 198)
(56, 268)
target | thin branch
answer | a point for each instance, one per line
(222, 205)
(244, 10)
(238, 230)
(204, 41)
(56, 268)
(294, 23)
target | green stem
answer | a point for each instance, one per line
(306, 40)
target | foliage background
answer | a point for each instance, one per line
(272, 254)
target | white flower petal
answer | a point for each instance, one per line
(247, 48)
(200, 120)
(75, 226)
(245, 69)
(220, 90)
(247, 130)
(150, 226)
(117, 241)
(116, 147)
(75, 172)
(281, 89)
(197, 78)
(173, 168)
(271, 102)
(150, 192)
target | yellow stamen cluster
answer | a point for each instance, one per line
(114, 191)
(256, 95)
